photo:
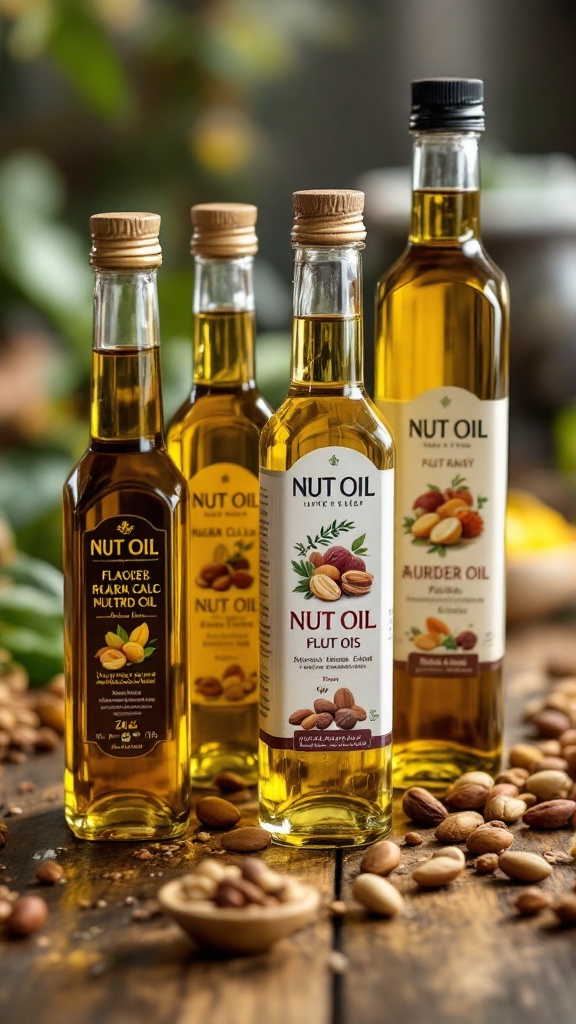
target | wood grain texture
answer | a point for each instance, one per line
(457, 954)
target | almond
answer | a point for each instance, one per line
(523, 866)
(422, 807)
(230, 782)
(249, 839)
(437, 871)
(321, 706)
(468, 797)
(565, 909)
(297, 717)
(525, 755)
(489, 840)
(378, 895)
(550, 814)
(457, 827)
(216, 812)
(381, 858)
(344, 698)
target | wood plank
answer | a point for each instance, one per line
(462, 953)
(96, 964)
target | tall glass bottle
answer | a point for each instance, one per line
(326, 498)
(213, 439)
(442, 382)
(124, 553)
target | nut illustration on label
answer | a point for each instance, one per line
(336, 572)
(437, 634)
(227, 569)
(342, 711)
(233, 686)
(125, 649)
(441, 518)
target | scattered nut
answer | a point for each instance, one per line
(217, 813)
(422, 807)
(249, 839)
(550, 814)
(437, 871)
(531, 902)
(565, 909)
(451, 851)
(457, 827)
(377, 895)
(28, 915)
(486, 863)
(504, 808)
(523, 866)
(413, 839)
(489, 840)
(50, 872)
(381, 858)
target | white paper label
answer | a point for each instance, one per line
(330, 639)
(450, 517)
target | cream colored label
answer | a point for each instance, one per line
(450, 515)
(223, 511)
(326, 586)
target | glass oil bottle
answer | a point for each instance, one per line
(213, 439)
(326, 503)
(442, 382)
(125, 505)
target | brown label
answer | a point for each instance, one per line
(126, 632)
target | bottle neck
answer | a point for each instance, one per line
(223, 327)
(327, 341)
(126, 403)
(445, 183)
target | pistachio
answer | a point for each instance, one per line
(504, 808)
(378, 895)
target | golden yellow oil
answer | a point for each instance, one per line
(126, 471)
(221, 423)
(442, 319)
(329, 798)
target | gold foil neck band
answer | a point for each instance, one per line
(328, 217)
(224, 230)
(125, 241)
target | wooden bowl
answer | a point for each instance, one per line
(250, 929)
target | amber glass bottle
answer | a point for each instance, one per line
(442, 382)
(124, 554)
(326, 568)
(213, 439)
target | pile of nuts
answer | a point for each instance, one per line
(231, 886)
(477, 814)
(342, 711)
(233, 685)
(338, 571)
(31, 720)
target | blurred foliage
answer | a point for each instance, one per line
(123, 104)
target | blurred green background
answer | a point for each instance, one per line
(158, 104)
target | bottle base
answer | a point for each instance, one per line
(126, 817)
(324, 823)
(435, 765)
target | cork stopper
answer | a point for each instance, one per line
(125, 241)
(224, 230)
(329, 216)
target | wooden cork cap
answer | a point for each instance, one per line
(328, 216)
(224, 230)
(125, 241)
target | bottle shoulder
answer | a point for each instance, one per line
(99, 474)
(306, 423)
(212, 409)
(466, 265)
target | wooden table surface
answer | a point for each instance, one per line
(457, 955)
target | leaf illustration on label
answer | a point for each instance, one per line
(122, 634)
(357, 545)
(325, 536)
